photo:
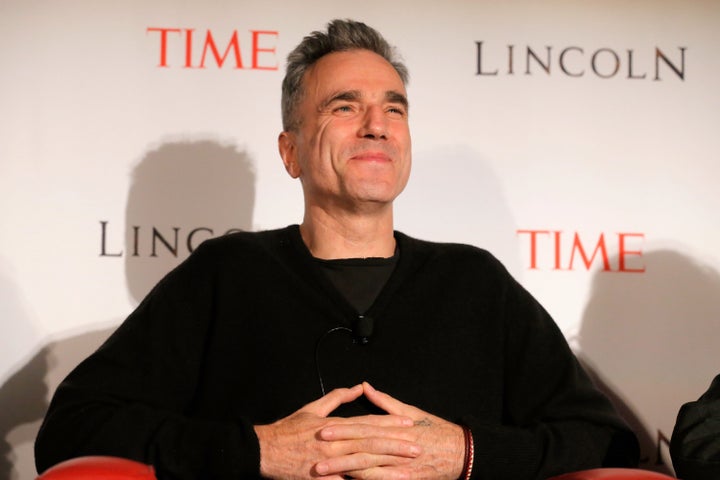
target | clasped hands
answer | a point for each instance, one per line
(407, 443)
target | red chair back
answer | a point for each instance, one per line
(612, 474)
(99, 468)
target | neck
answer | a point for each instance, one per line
(330, 237)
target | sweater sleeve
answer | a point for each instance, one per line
(695, 443)
(131, 397)
(554, 420)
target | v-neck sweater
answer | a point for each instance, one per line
(237, 335)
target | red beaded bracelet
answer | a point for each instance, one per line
(469, 454)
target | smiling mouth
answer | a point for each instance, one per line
(372, 157)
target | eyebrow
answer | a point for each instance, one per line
(397, 97)
(355, 95)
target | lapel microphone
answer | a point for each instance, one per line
(361, 331)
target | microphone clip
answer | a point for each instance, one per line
(362, 329)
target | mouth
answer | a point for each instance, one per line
(372, 156)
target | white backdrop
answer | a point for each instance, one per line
(542, 131)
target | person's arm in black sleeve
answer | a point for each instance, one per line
(695, 442)
(129, 398)
(555, 421)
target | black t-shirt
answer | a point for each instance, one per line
(359, 280)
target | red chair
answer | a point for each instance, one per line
(99, 468)
(612, 474)
(113, 468)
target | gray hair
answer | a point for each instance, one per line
(342, 35)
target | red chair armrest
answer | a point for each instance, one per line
(612, 474)
(99, 468)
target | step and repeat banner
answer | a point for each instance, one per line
(577, 141)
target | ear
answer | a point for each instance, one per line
(288, 153)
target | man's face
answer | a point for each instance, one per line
(351, 149)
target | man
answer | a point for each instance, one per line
(222, 371)
(695, 442)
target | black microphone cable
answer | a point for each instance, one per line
(360, 333)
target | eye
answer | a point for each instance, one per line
(396, 111)
(343, 109)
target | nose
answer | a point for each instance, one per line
(374, 124)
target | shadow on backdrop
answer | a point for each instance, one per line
(22, 394)
(651, 342)
(24, 399)
(454, 186)
(177, 189)
(181, 194)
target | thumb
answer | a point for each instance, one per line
(323, 406)
(391, 405)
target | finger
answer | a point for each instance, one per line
(396, 447)
(388, 403)
(349, 431)
(388, 421)
(399, 472)
(324, 405)
(354, 465)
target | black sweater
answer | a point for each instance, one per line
(237, 335)
(695, 443)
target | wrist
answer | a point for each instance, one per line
(264, 435)
(469, 457)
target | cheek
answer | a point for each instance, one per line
(324, 136)
(332, 147)
(405, 175)
(404, 135)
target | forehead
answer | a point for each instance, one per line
(360, 70)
